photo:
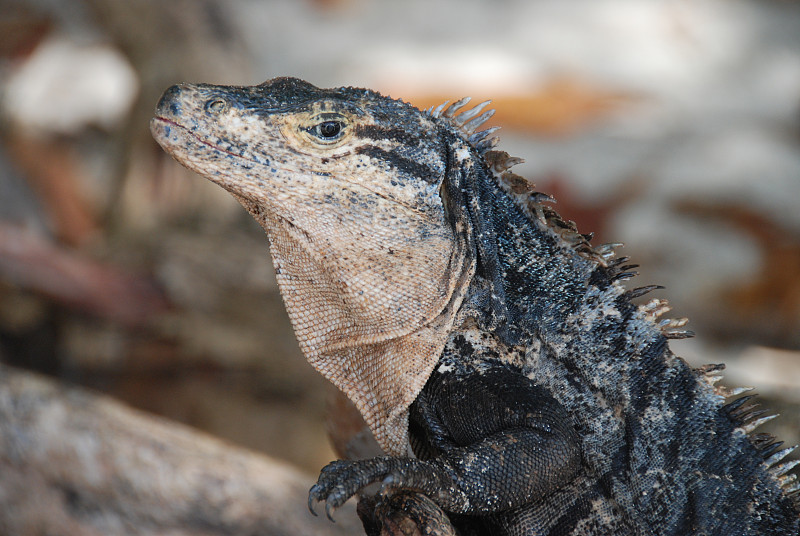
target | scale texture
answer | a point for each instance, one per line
(515, 384)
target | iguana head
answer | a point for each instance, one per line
(348, 185)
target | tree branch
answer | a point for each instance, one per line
(75, 463)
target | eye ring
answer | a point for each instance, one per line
(216, 106)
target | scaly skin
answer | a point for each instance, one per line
(472, 326)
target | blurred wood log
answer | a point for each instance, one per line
(31, 261)
(74, 463)
(52, 170)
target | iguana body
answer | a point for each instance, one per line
(494, 354)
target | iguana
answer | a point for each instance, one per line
(509, 376)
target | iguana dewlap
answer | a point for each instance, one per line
(494, 353)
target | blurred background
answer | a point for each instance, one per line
(670, 125)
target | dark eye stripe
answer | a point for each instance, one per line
(373, 132)
(401, 163)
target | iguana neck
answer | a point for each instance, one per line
(556, 292)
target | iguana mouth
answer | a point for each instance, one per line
(201, 140)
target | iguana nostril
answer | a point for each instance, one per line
(169, 103)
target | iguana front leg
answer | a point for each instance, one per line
(489, 442)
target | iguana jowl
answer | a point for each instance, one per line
(493, 352)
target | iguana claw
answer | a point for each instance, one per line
(311, 501)
(329, 509)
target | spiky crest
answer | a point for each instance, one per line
(747, 417)
(467, 122)
(533, 202)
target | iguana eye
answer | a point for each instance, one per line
(324, 130)
(328, 130)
